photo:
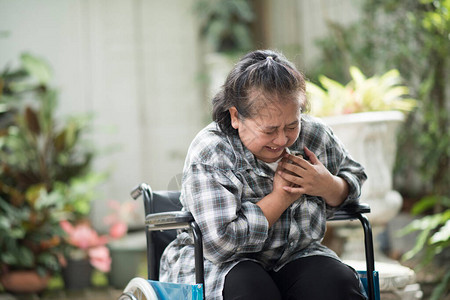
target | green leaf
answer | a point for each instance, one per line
(390, 78)
(25, 257)
(441, 288)
(36, 68)
(395, 93)
(242, 36)
(424, 204)
(49, 261)
(8, 258)
(420, 242)
(363, 94)
(244, 10)
(3, 108)
(49, 200)
(442, 235)
(425, 223)
(330, 84)
(357, 75)
(215, 33)
(32, 121)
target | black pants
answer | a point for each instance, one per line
(314, 277)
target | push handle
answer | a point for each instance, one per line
(145, 190)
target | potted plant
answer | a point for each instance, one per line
(45, 173)
(127, 248)
(361, 94)
(84, 249)
(119, 217)
(365, 114)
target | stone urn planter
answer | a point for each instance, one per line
(371, 139)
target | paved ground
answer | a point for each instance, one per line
(103, 292)
(94, 293)
(109, 293)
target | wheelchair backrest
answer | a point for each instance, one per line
(163, 201)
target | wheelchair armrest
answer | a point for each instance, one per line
(350, 212)
(176, 220)
(357, 211)
(168, 220)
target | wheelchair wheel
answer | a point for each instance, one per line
(138, 289)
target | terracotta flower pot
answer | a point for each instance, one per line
(24, 281)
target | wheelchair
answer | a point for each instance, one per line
(163, 217)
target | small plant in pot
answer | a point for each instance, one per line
(84, 249)
(361, 94)
(366, 114)
(127, 248)
(45, 173)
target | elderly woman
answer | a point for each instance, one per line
(261, 181)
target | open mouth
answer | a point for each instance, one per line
(274, 149)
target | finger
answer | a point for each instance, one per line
(295, 169)
(299, 160)
(281, 167)
(291, 178)
(312, 157)
(294, 190)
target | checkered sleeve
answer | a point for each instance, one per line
(229, 224)
(354, 175)
(341, 164)
(321, 140)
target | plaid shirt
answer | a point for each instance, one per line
(222, 183)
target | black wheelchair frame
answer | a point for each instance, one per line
(163, 215)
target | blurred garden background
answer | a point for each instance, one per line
(97, 96)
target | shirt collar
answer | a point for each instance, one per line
(248, 159)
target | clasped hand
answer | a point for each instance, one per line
(299, 176)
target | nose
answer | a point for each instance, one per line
(281, 139)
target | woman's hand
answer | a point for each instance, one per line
(312, 178)
(279, 184)
(275, 203)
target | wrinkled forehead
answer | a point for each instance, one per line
(268, 104)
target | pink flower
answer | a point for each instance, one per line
(82, 235)
(118, 230)
(66, 226)
(121, 214)
(86, 239)
(99, 258)
(87, 242)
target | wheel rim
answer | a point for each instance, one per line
(139, 289)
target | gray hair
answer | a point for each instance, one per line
(267, 71)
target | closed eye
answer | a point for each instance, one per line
(269, 132)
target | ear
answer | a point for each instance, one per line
(234, 115)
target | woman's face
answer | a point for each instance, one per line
(275, 126)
